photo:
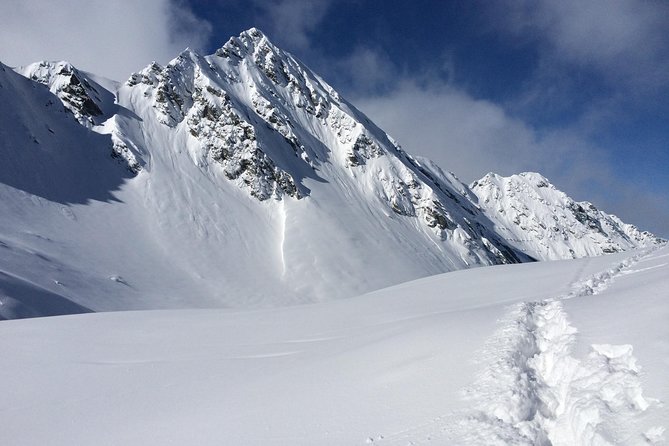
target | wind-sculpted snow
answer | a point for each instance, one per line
(535, 217)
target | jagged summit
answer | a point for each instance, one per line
(246, 42)
(253, 33)
(531, 177)
(536, 178)
(547, 224)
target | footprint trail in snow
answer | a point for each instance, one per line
(534, 391)
(537, 393)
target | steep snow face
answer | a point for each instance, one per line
(271, 125)
(253, 116)
(248, 181)
(44, 149)
(535, 217)
(50, 166)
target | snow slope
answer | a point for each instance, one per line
(570, 352)
(542, 221)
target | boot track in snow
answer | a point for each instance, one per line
(533, 391)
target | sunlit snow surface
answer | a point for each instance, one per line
(564, 353)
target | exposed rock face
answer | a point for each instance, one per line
(90, 103)
(78, 94)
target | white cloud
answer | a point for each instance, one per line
(365, 69)
(110, 38)
(469, 136)
(290, 21)
(622, 40)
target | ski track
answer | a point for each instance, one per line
(533, 391)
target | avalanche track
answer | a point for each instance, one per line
(533, 390)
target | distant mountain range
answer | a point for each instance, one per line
(242, 179)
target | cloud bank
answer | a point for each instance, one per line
(292, 20)
(109, 38)
(472, 136)
(625, 41)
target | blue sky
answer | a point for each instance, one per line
(578, 91)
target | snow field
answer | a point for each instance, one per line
(388, 367)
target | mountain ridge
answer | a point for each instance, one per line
(248, 181)
(549, 225)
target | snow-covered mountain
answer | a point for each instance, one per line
(79, 94)
(542, 221)
(238, 179)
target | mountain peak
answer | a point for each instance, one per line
(247, 42)
(532, 178)
(188, 53)
(535, 178)
(252, 33)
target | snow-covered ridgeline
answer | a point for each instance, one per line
(239, 165)
(542, 221)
